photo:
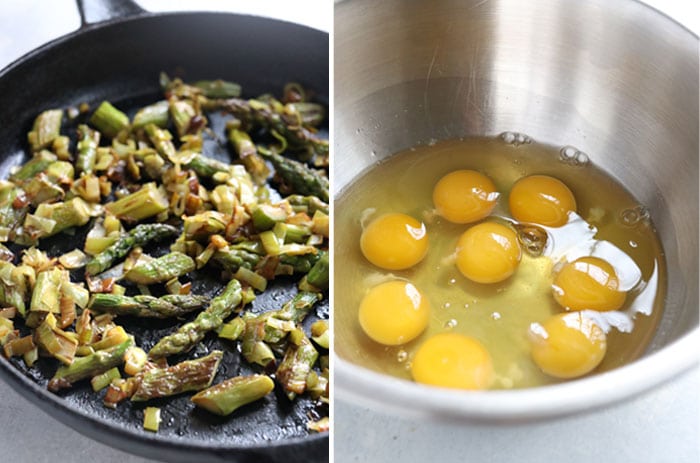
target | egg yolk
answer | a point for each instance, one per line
(454, 361)
(541, 199)
(464, 196)
(394, 313)
(568, 345)
(394, 241)
(588, 283)
(488, 253)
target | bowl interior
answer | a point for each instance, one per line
(616, 80)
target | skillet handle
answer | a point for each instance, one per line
(95, 11)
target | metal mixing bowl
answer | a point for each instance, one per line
(616, 79)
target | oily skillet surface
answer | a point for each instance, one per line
(120, 61)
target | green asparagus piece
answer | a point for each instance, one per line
(146, 202)
(138, 236)
(173, 305)
(224, 398)
(190, 375)
(318, 275)
(156, 114)
(189, 334)
(109, 120)
(89, 366)
(297, 176)
(273, 117)
(230, 259)
(88, 142)
(47, 127)
(245, 148)
(218, 88)
(296, 366)
(37, 164)
(265, 216)
(162, 269)
(206, 167)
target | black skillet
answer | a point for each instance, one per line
(120, 60)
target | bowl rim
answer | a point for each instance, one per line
(404, 397)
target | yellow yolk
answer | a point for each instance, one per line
(568, 345)
(464, 196)
(394, 241)
(394, 313)
(452, 360)
(541, 199)
(588, 283)
(488, 253)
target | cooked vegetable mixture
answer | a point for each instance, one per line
(136, 181)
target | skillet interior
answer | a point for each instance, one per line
(120, 61)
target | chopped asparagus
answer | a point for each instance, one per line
(318, 275)
(189, 334)
(138, 236)
(190, 375)
(297, 176)
(205, 166)
(174, 305)
(224, 398)
(89, 366)
(218, 88)
(109, 120)
(156, 114)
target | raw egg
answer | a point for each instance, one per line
(394, 241)
(568, 345)
(464, 196)
(453, 360)
(394, 313)
(588, 283)
(488, 252)
(541, 199)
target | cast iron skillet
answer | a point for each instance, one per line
(120, 60)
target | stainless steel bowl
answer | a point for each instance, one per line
(616, 79)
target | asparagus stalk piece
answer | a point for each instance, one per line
(218, 88)
(156, 114)
(162, 269)
(206, 167)
(297, 176)
(88, 142)
(138, 236)
(224, 398)
(245, 148)
(318, 275)
(89, 366)
(173, 305)
(189, 334)
(146, 202)
(109, 120)
(190, 375)
(47, 127)
(185, 117)
(230, 259)
(296, 366)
